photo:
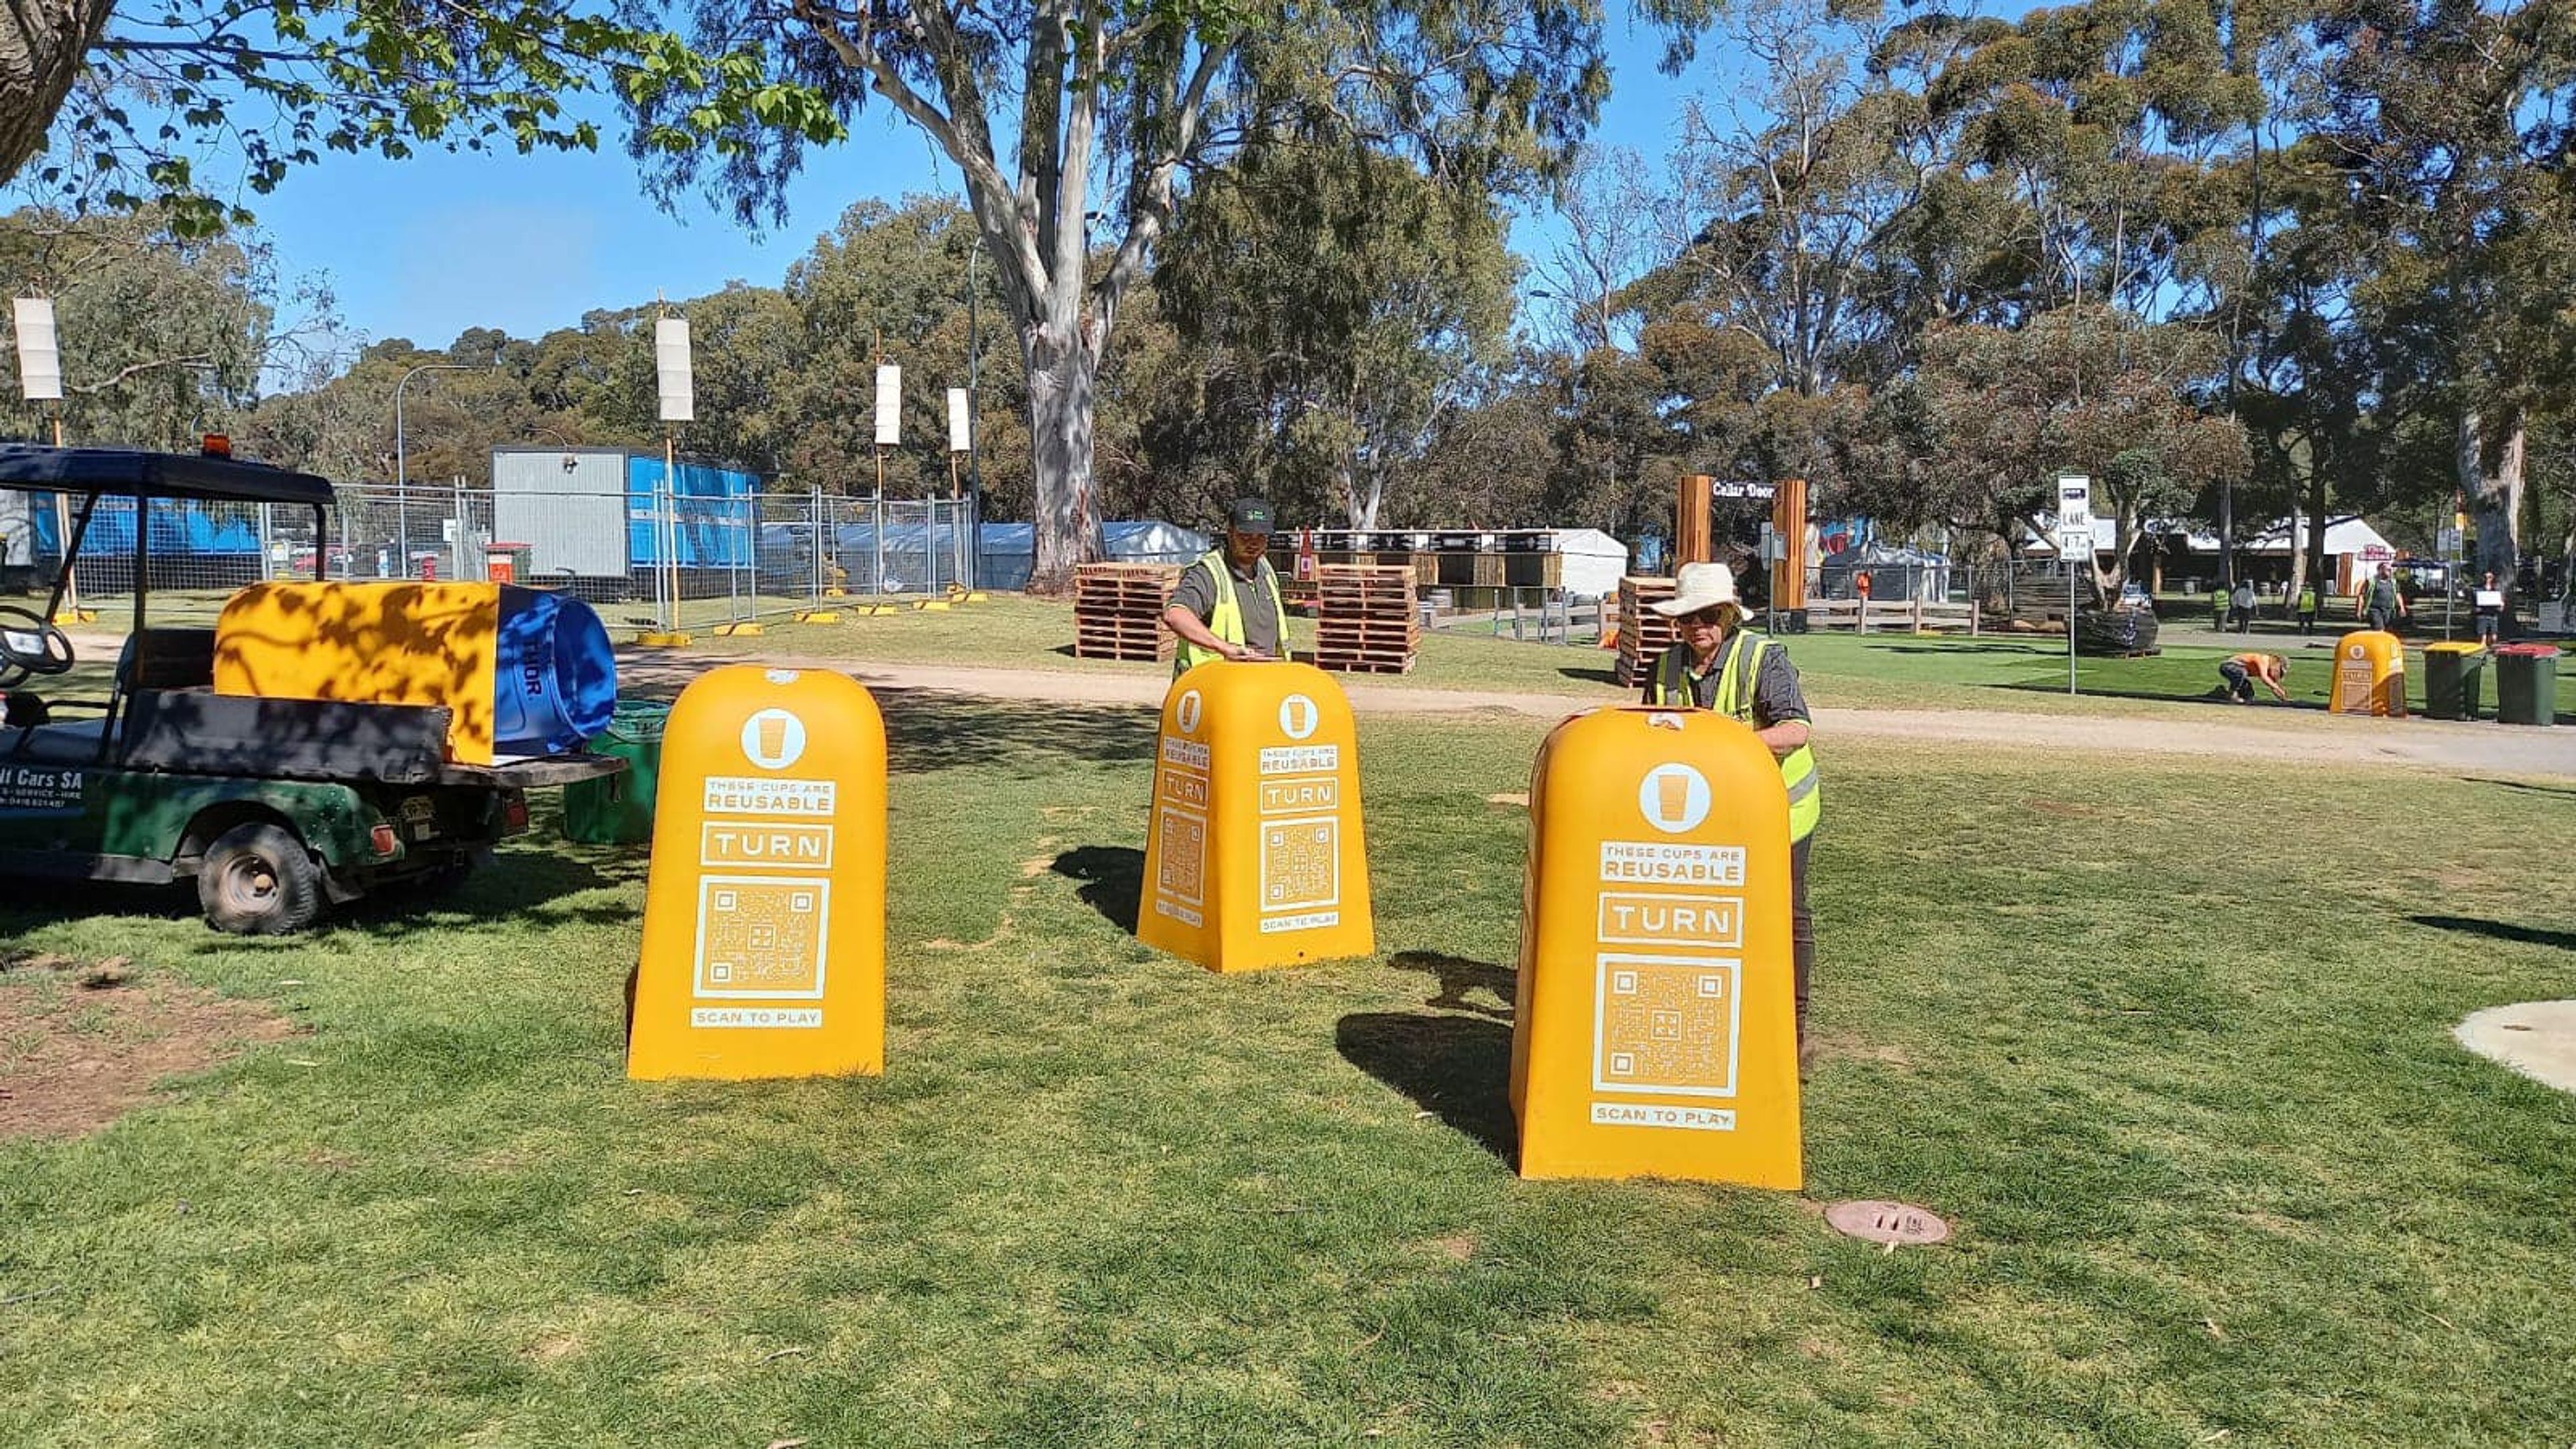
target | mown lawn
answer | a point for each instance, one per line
(1878, 671)
(2169, 1045)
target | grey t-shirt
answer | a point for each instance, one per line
(1197, 593)
(1776, 695)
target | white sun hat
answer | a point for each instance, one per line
(1699, 586)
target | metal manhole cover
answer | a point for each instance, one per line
(1887, 1222)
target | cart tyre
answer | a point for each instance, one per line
(259, 880)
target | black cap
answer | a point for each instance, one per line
(1250, 515)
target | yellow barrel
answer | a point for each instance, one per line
(2370, 675)
(764, 917)
(1254, 853)
(1656, 1031)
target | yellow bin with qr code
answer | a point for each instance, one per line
(1656, 1030)
(2370, 675)
(764, 917)
(1254, 851)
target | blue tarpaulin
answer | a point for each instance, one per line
(177, 528)
(713, 514)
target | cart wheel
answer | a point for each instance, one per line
(258, 880)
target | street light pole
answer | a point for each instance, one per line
(402, 465)
(974, 430)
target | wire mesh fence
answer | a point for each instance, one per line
(651, 560)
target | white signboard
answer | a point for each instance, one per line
(672, 368)
(40, 363)
(889, 405)
(2074, 513)
(959, 437)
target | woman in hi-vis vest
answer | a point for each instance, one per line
(1721, 665)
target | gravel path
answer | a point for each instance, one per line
(2254, 733)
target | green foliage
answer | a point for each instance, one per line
(260, 87)
(1333, 301)
(164, 336)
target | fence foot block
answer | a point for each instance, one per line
(818, 616)
(659, 639)
(934, 605)
(738, 631)
(75, 616)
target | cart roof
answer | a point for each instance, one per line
(156, 475)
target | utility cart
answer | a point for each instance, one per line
(278, 809)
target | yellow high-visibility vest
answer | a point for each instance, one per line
(1735, 682)
(1225, 620)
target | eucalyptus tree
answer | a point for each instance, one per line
(1075, 126)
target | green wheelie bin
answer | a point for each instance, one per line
(2527, 684)
(2452, 673)
(619, 810)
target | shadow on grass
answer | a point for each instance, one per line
(1459, 975)
(518, 884)
(931, 730)
(2501, 931)
(2215, 695)
(1968, 647)
(35, 901)
(1113, 880)
(2523, 785)
(1458, 1068)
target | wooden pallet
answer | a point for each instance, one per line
(1644, 635)
(1366, 664)
(1118, 611)
(1368, 618)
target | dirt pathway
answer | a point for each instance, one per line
(2302, 737)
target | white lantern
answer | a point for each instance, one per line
(40, 363)
(672, 367)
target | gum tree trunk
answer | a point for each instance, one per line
(44, 45)
(2491, 477)
(1064, 372)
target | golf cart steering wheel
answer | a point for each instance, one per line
(30, 644)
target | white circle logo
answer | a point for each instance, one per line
(1186, 713)
(1298, 716)
(773, 739)
(1674, 797)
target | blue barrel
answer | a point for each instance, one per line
(555, 683)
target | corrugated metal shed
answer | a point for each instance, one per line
(567, 504)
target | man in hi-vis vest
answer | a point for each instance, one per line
(1720, 665)
(1227, 605)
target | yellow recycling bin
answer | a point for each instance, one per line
(1254, 854)
(2370, 675)
(764, 920)
(1656, 1032)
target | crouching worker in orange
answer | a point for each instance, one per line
(2242, 670)
(1720, 665)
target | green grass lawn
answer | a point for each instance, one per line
(2168, 1044)
(1878, 671)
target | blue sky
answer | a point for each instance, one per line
(427, 247)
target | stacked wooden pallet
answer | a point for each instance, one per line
(1644, 635)
(1118, 610)
(1368, 619)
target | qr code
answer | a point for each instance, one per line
(1667, 1025)
(1300, 864)
(1182, 866)
(762, 938)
